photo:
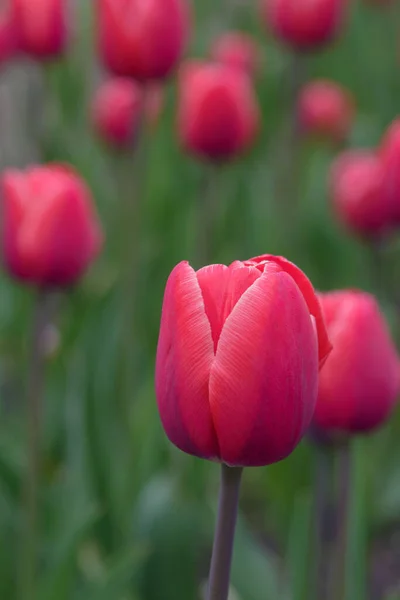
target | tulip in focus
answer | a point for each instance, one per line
(237, 360)
(358, 193)
(305, 24)
(237, 50)
(326, 110)
(359, 382)
(8, 31)
(143, 39)
(50, 232)
(390, 156)
(43, 27)
(218, 114)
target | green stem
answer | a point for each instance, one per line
(208, 209)
(218, 584)
(42, 317)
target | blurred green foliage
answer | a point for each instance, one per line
(124, 516)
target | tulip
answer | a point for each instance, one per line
(390, 156)
(302, 24)
(42, 26)
(144, 39)
(237, 360)
(8, 31)
(359, 383)
(237, 50)
(358, 193)
(50, 233)
(325, 109)
(117, 110)
(218, 114)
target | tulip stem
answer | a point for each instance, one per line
(42, 316)
(218, 584)
(339, 574)
(208, 212)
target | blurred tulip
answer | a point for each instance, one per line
(218, 114)
(50, 232)
(358, 192)
(116, 111)
(42, 26)
(325, 109)
(8, 31)
(359, 383)
(390, 156)
(144, 39)
(238, 50)
(304, 24)
(237, 359)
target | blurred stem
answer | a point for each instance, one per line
(338, 588)
(218, 583)
(208, 205)
(42, 318)
(322, 513)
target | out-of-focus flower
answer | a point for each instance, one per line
(390, 156)
(43, 27)
(237, 50)
(50, 232)
(144, 39)
(237, 359)
(305, 24)
(218, 114)
(357, 185)
(8, 31)
(326, 109)
(359, 382)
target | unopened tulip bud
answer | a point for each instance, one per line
(43, 27)
(50, 232)
(238, 358)
(218, 113)
(325, 110)
(237, 50)
(143, 39)
(358, 193)
(305, 24)
(390, 156)
(359, 383)
(8, 31)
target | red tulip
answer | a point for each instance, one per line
(326, 109)
(218, 114)
(359, 383)
(304, 24)
(237, 359)
(117, 110)
(143, 39)
(43, 27)
(237, 50)
(8, 31)
(390, 155)
(358, 192)
(50, 233)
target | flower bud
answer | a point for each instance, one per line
(238, 358)
(358, 193)
(304, 24)
(50, 232)
(8, 31)
(359, 383)
(326, 110)
(42, 27)
(143, 39)
(218, 114)
(390, 156)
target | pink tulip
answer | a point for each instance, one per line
(237, 359)
(43, 27)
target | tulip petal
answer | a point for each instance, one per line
(222, 287)
(184, 357)
(306, 288)
(263, 381)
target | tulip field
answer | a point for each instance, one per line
(199, 300)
